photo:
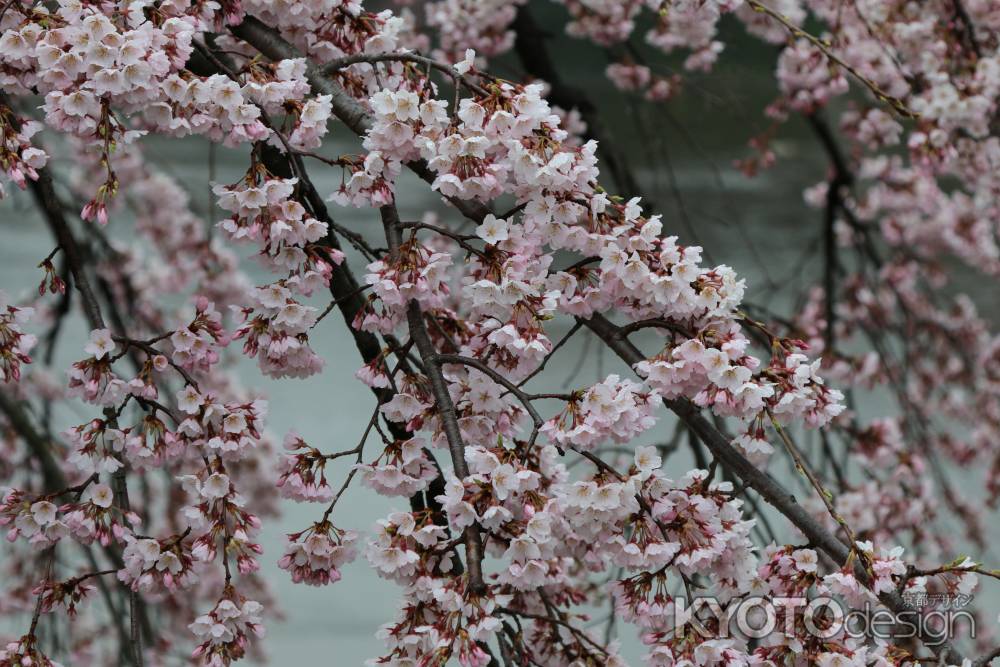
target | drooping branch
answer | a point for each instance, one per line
(842, 179)
(43, 190)
(45, 196)
(344, 287)
(795, 31)
(442, 397)
(349, 299)
(47, 200)
(350, 111)
(53, 479)
(761, 482)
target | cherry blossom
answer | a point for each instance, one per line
(15, 344)
(519, 507)
(226, 629)
(315, 555)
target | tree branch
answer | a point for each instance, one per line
(442, 397)
(345, 107)
(765, 485)
(353, 114)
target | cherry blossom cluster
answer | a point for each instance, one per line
(15, 343)
(152, 564)
(403, 469)
(125, 64)
(43, 523)
(226, 111)
(332, 28)
(614, 409)
(303, 472)
(228, 430)
(92, 379)
(416, 274)
(443, 620)
(881, 507)
(314, 556)
(66, 595)
(483, 27)
(197, 344)
(806, 80)
(679, 25)
(277, 324)
(225, 631)
(37, 521)
(639, 78)
(217, 517)
(25, 651)
(785, 571)
(547, 506)
(97, 446)
(96, 518)
(19, 160)
(405, 545)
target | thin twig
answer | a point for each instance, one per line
(562, 341)
(894, 102)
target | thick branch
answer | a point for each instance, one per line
(768, 488)
(442, 397)
(353, 114)
(45, 195)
